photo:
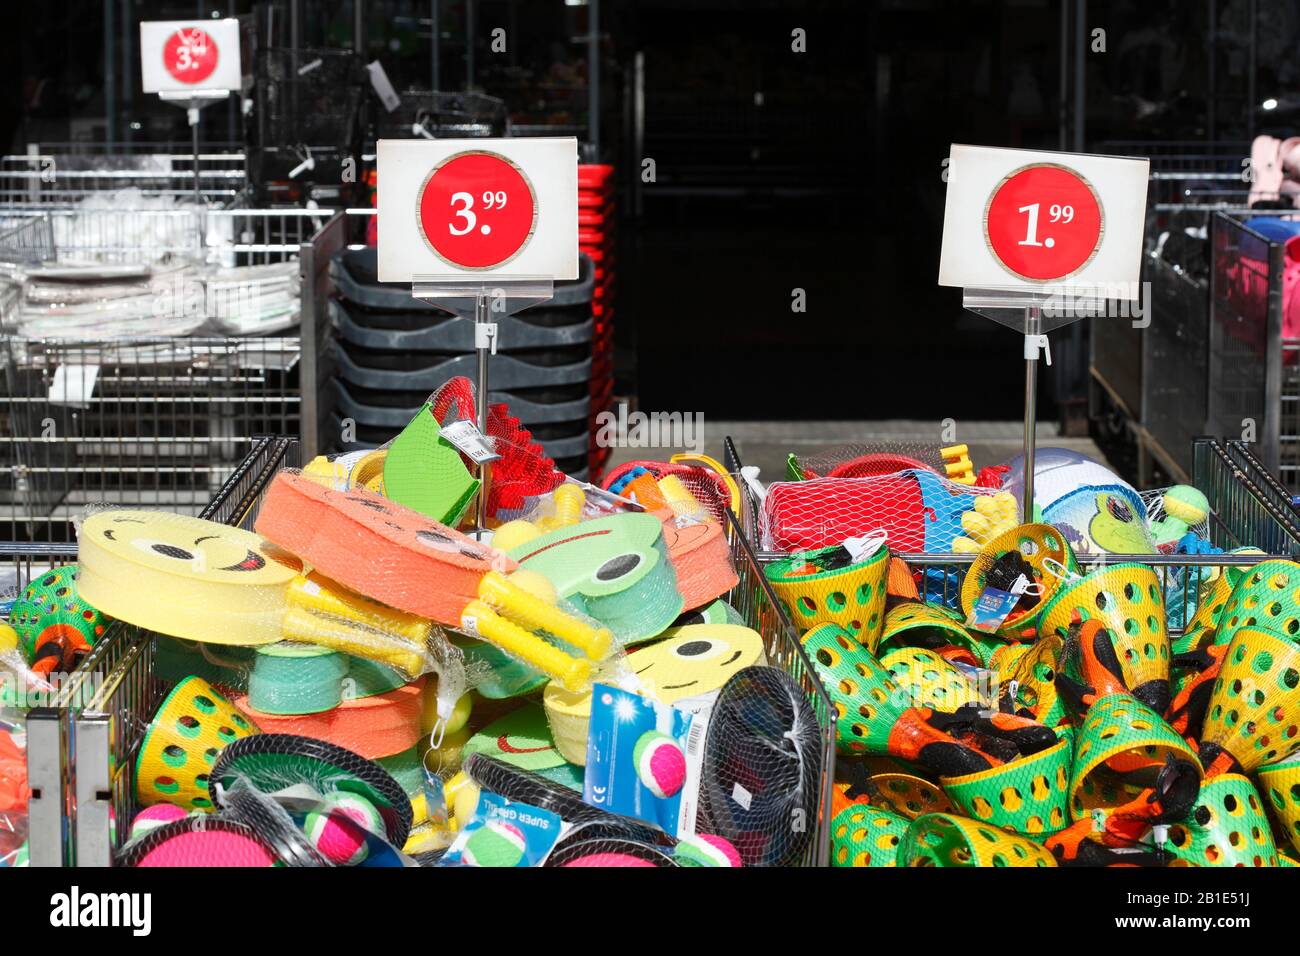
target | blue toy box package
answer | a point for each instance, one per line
(642, 759)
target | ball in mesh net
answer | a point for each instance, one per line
(760, 779)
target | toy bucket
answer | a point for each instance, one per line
(813, 590)
(191, 727)
(1045, 550)
(945, 840)
(1029, 796)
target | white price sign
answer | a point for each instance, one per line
(1024, 219)
(189, 56)
(507, 208)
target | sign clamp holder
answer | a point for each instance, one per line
(483, 301)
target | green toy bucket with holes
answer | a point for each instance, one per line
(863, 835)
(1227, 827)
(867, 702)
(945, 840)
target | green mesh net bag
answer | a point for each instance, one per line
(863, 835)
(1227, 827)
(866, 700)
(1253, 716)
(945, 840)
(1128, 600)
(914, 624)
(1028, 796)
(1280, 785)
(1119, 751)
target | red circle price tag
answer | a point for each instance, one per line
(477, 210)
(1044, 222)
(190, 56)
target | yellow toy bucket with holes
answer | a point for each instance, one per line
(1045, 550)
(814, 591)
(1254, 708)
(1128, 600)
(1280, 785)
(930, 681)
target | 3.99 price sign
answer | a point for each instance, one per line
(190, 55)
(196, 59)
(477, 210)
(1044, 222)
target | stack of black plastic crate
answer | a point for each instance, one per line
(393, 350)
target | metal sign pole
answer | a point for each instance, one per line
(485, 335)
(1033, 322)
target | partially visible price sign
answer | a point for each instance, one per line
(197, 56)
(1021, 219)
(190, 55)
(456, 208)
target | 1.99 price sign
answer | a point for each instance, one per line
(477, 210)
(190, 55)
(1044, 222)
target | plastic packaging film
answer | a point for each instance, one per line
(167, 572)
(408, 562)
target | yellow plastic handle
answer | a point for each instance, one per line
(342, 635)
(481, 621)
(536, 615)
(569, 501)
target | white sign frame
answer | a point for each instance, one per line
(155, 78)
(974, 174)
(550, 165)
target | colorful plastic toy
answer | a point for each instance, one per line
(1047, 559)
(828, 586)
(424, 471)
(54, 624)
(691, 661)
(614, 569)
(409, 562)
(1253, 716)
(944, 840)
(863, 836)
(167, 572)
(192, 726)
(1126, 600)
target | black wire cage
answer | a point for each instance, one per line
(305, 134)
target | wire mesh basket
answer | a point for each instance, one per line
(1242, 515)
(53, 176)
(142, 394)
(45, 732)
(110, 728)
(26, 240)
(306, 119)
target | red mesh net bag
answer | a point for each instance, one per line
(524, 470)
(917, 509)
(706, 487)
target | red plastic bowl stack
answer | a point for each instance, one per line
(596, 239)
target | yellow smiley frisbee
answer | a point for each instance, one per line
(691, 661)
(182, 576)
